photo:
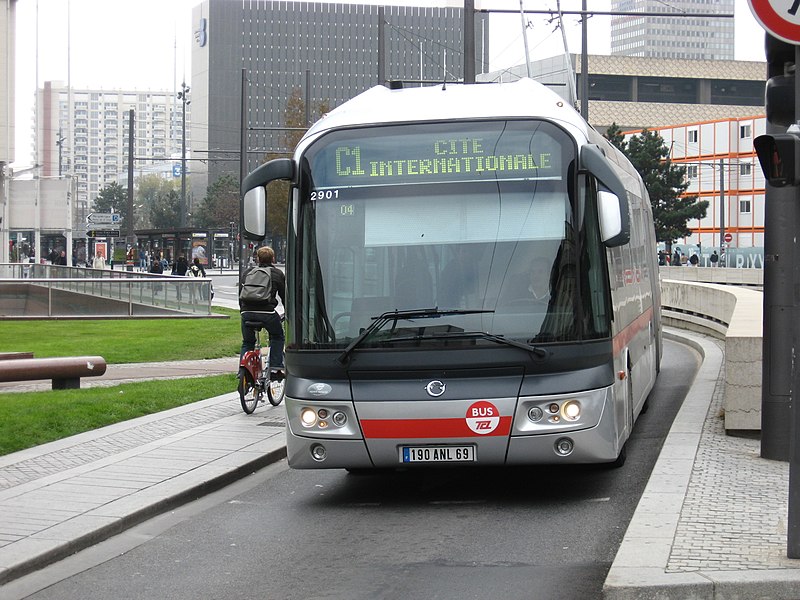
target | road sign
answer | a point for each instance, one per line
(728, 238)
(100, 233)
(112, 219)
(778, 17)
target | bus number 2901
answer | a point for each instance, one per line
(324, 195)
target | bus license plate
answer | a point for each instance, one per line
(435, 454)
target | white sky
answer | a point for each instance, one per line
(146, 44)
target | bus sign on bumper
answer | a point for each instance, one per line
(437, 454)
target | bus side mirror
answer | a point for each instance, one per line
(613, 210)
(253, 206)
(254, 214)
(609, 213)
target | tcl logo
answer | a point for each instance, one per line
(482, 417)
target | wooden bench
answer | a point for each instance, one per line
(65, 372)
(15, 355)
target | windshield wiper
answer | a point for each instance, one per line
(396, 315)
(485, 335)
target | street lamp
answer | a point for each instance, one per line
(183, 95)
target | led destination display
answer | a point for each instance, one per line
(397, 156)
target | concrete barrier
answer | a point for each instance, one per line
(733, 314)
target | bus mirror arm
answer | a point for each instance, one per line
(253, 207)
(612, 203)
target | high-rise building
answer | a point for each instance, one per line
(322, 53)
(7, 42)
(671, 29)
(84, 134)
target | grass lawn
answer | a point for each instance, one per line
(127, 340)
(32, 418)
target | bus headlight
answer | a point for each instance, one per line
(535, 414)
(308, 417)
(571, 410)
(339, 418)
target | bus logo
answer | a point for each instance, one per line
(435, 388)
(483, 417)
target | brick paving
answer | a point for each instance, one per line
(735, 510)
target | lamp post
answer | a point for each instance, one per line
(183, 96)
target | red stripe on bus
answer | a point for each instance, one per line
(426, 428)
(624, 337)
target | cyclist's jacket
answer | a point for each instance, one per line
(278, 288)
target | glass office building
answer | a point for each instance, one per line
(325, 52)
(670, 29)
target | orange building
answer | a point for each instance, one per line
(723, 169)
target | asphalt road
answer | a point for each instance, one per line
(534, 533)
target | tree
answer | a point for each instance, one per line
(665, 181)
(159, 202)
(164, 212)
(221, 204)
(112, 198)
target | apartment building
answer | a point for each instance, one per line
(84, 133)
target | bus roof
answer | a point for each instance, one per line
(380, 105)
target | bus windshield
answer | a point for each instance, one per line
(486, 222)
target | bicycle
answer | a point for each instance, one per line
(256, 378)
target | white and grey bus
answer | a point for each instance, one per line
(471, 279)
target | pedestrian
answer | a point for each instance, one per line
(99, 262)
(676, 258)
(196, 270)
(714, 258)
(662, 259)
(693, 259)
(259, 290)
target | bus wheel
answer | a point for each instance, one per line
(620, 460)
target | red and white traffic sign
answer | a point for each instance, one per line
(781, 18)
(483, 416)
(728, 238)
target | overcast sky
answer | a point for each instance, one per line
(146, 44)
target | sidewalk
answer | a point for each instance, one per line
(62, 497)
(711, 523)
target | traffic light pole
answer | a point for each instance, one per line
(793, 529)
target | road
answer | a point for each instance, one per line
(534, 533)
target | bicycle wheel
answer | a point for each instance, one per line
(249, 394)
(276, 388)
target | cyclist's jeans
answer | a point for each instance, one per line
(272, 323)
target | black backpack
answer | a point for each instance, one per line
(257, 286)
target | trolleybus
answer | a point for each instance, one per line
(471, 280)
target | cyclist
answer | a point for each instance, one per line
(263, 310)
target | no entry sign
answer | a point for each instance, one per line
(781, 18)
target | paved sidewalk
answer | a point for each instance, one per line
(711, 523)
(61, 497)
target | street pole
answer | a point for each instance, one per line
(793, 521)
(131, 217)
(584, 62)
(182, 96)
(242, 169)
(469, 41)
(721, 213)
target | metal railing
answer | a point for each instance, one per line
(33, 290)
